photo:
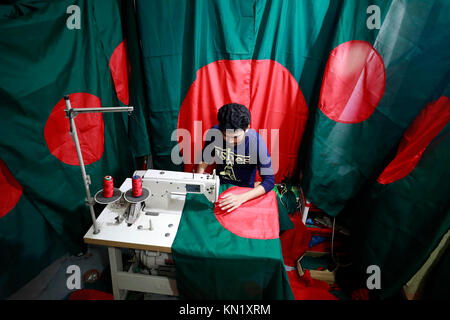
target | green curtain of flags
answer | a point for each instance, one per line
(46, 54)
(363, 71)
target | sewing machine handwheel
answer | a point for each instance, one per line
(99, 198)
(130, 198)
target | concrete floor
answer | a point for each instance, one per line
(51, 283)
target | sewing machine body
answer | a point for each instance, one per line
(168, 189)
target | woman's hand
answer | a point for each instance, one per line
(232, 201)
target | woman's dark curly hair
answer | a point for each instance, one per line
(233, 116)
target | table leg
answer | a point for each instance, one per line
(115, 261)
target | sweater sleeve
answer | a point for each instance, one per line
(265, 166)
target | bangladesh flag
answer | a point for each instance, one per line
(230, 256)
(341, 81)
(332, 87)
(402, 218)
(50, 49)
(374, 85)
(200, 55)
(342, 66)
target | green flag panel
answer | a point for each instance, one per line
(352, 77)
(29, 244)
(398, 225)
(343, 155)
(214, 263)
(50, 49)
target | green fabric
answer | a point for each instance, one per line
(287, 204)
(315, 263)
(28, 245)
(213, 263)
(139, 133)
(283, 217)
(340, 158)
(180, 37)
(41, 61)
(397, 226)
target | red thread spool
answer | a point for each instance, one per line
(137, 186)
(108, 187)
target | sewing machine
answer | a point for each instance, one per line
(149, 227)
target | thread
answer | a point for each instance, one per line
(137, 186)
(108, 187)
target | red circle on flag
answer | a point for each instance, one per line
(254, 219)
(10, 189)
(120, 70)
(90, 129)
(354, 82)
(273, 96)
(427, 125)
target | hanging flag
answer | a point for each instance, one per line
(50, 49)
(200, 56)
(403, 216)
(374, 84)
(138, 129)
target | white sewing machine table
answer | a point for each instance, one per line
(153, 230)
(116, 236)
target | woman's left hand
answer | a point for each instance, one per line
(230, 202)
